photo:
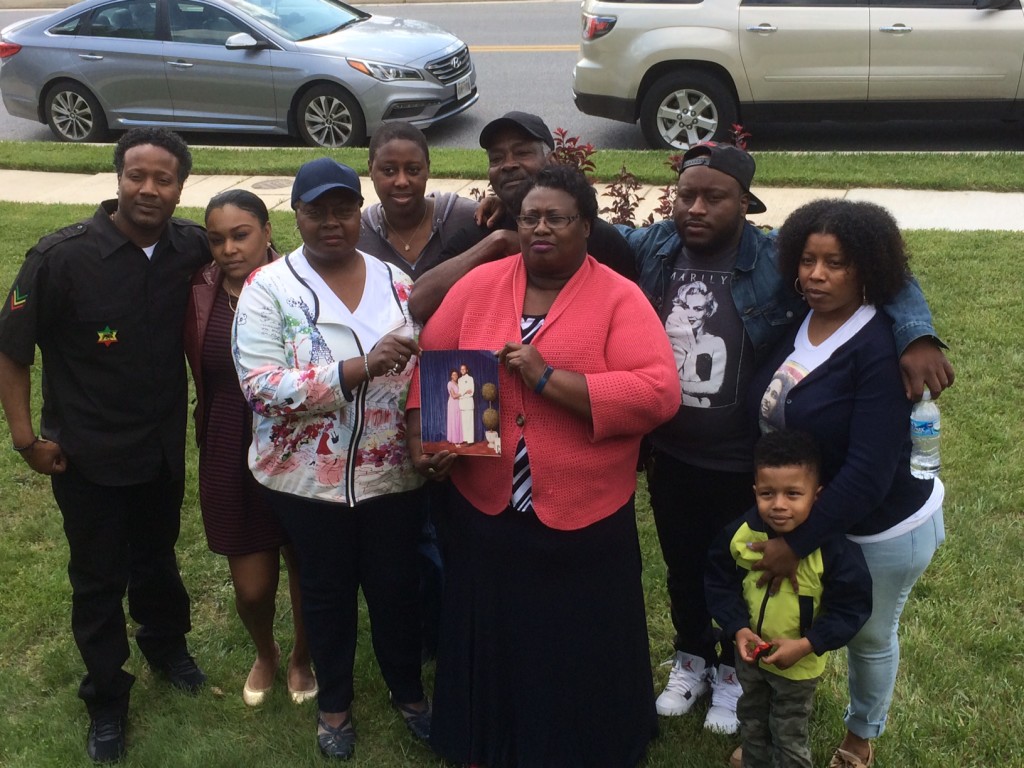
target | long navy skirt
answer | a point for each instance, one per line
(543, 658)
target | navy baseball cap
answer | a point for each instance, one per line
(529, 124)
(731, 161)
(322, 175)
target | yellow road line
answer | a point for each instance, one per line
(520, 48)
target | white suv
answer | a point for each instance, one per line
(688, 70)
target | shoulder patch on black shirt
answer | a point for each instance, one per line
(60, 236)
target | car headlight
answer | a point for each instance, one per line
(384, 72)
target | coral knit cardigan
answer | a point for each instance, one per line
(600, 325)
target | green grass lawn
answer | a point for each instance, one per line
(989, 171)
(960, 695)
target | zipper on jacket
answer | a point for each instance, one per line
(358, 400)
(760, 615)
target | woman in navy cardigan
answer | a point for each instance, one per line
(837, 376)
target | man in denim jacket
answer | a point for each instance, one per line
(712, 276)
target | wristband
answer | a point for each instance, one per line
(26, 447)
(366, 366)
(345, 391)
(543, 379)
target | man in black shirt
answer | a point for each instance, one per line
(104, 300)
(518, 145)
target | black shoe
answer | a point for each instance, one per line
(337, 743)
(182, 672)
(416, 720)
(106, 738)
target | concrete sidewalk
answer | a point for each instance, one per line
(913, 209)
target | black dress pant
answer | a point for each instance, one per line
(342, 549)
(691, 506)
(121, 541)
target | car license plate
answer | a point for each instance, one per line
(462, 88)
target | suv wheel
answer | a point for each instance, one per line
(685, 108)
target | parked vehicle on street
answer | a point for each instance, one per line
(687, 70)
(320, 70)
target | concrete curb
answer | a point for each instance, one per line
(913, 209)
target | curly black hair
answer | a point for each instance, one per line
(398, 130)
(158, 137)
(788, 448)
(867, 234)
(570, 180)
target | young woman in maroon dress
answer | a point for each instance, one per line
(237, 519)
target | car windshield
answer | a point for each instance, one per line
(300, 19)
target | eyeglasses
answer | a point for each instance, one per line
(554, 222)
(320, 213)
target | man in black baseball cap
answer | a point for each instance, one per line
(518, 146)
(729, 160)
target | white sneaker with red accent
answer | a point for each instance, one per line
(725, 692)
(687, 682)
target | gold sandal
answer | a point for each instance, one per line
(844, 759)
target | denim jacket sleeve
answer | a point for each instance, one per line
(654, 250)
(911, 317)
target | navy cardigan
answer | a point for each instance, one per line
(855, 406)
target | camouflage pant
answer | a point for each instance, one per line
(774, 712)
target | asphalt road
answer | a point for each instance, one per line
(524, 54)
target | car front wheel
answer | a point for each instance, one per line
(685, 108)
(328, 116)
(73, 113)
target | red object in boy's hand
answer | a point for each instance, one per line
(761, 649)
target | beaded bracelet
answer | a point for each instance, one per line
(543, 379)
(27, 447)
(366, 366)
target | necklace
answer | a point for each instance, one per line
(393, 231)
(232, 300)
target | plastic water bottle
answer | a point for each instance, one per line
(924, 434)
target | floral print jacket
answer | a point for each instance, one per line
(311, 438)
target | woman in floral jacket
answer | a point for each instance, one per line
(323, 345)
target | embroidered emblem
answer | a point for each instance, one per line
(18, 299)
(107, 337)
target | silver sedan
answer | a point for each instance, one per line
(317, 69)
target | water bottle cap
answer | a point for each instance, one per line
(926, 395)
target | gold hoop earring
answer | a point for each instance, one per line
(796, 287)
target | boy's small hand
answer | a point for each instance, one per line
(746, 641)
(788, 652)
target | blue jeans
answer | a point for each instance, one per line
(874, 653)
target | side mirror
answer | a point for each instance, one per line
(242, 41)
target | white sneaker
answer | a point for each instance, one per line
(687, 682)
(725, 692)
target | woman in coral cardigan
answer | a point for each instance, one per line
(543, 658)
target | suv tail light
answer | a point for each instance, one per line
(597, 26)
(8, 49)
